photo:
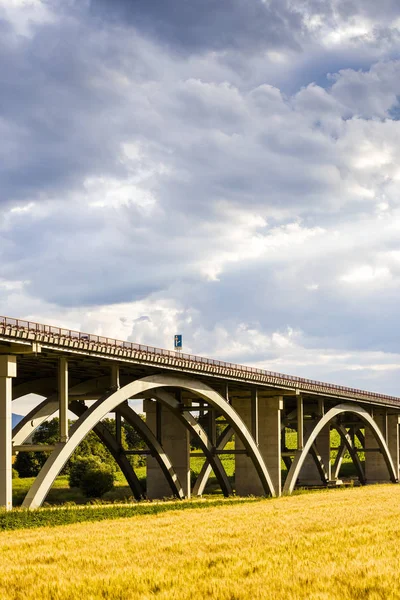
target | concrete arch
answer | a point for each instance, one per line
(203, 476)
(110, 401)
(43, 386)
(329, 416)
(40, 413)
(341, 452)
(155, 448)
(196, 429)
(338, 461)
(49, 407)
(349, 445)
(112, 445)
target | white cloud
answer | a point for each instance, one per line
(25, 14)
(366, 274)
(245, 198)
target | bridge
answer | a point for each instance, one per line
(183, 396)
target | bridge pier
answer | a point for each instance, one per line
(247, 481)
(375, 466)
(8, 370)
(176, 443)
(394, 441)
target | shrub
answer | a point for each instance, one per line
(97, 480)
(79, 466)
(28, 464)
(15, 474)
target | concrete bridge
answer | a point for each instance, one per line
(92, 376)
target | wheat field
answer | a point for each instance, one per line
(322, 545)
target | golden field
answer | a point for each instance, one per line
(321, 545)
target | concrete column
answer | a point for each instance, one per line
(8, 369)
(115, 383)
(63, 398)
(310, 474)
(247, 481)
(176, 443)
(375, 466)
(393, 440)
(300, 422)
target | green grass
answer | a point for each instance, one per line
(61, 493)
(66, 515)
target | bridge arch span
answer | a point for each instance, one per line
(110, 401)
(42, 411)
(355, 409)
(49, 407)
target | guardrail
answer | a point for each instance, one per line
(19, 324)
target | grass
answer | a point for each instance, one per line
(67, 514)
(61, 492)
(326, 545)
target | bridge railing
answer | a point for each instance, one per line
(60, 332)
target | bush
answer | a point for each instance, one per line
(28, 464)
(15, 474)
(79, 466)
(97, 480)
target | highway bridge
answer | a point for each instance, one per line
(92, 376)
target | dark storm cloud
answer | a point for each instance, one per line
(58, 126)
(207, 25)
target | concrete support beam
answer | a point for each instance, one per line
(247, 481)
(212, 426)
(33, 448)
(393, 440)
(310, 473)
(300, 423)
(8, 370)
(115, 382)
(118, 428)
(375, 466)
(321, 407)
(175, 440)
(15, 348)
(115, 385)
(254, 415)
(63, 397)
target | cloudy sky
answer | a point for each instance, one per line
(224, 169)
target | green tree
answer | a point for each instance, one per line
(28, 464)
(79, 466)
(97, 481)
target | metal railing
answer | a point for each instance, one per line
(59, 332)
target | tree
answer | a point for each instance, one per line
(80, 465)
(28, 464)
(97, 480)
(92, 476)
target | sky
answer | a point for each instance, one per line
(224, 169)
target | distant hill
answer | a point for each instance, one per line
(16, 419)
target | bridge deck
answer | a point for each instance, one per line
(75, 342)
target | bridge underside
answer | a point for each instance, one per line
(266, 426)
